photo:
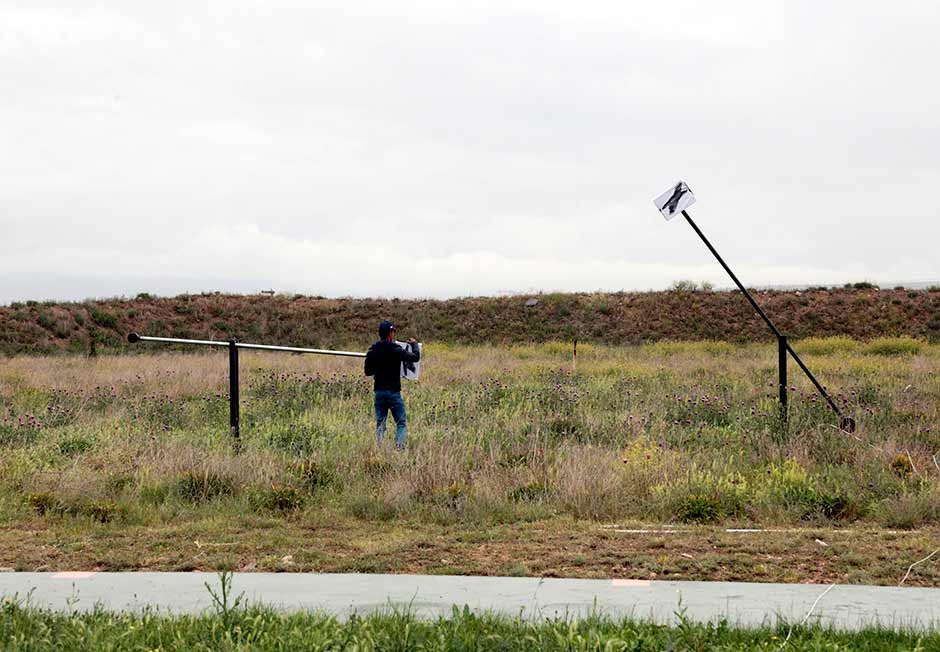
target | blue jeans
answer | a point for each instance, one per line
(386, 400)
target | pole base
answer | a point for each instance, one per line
(847, 424)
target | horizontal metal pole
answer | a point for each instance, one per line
(133, 338)
(297, 349)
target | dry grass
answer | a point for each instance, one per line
(497, 437)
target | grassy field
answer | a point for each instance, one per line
(23, 629)
(518, 463)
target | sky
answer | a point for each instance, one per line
(438, 149)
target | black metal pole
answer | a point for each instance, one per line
(809, 374)
(233, 399)
(846, 423)
(734, 278)
(782, 366)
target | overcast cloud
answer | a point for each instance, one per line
(437, 149)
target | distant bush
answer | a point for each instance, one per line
(861, 285)
(826, 345)
(691, 286)
(894, 346)
(103, 318)
(45, 321)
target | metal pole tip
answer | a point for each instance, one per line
(847, 424)
(133, 338)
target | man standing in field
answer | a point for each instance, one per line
(383, 361)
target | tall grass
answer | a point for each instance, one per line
(664, 432)
(23, 628)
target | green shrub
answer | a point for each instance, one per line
(281, 498)
(532, 492)
(835, 506)
(697, 508)
(42, 502)
(155, 494)
(909, 510)
(296, 439)
(202, 486)
(103, 511)
(371, 508)
(826, 345)
(789, 485)
(376, 465)
(103, 318)
(45, 321)
(902, 465)
(14, 432)
(314, 476)
(453, 496)
(894, 346)
(75, 445)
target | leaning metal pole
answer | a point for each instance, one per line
(234, 410)
(846, 423)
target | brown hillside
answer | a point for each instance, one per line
(620, 317)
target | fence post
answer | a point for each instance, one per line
(233, 399)
(782, 365)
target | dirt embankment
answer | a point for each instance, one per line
(628, 317)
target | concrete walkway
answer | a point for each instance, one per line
(843, 606)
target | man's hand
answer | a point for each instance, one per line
(412, 340)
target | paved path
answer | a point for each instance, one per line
(428, 596)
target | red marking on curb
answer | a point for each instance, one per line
(73, 575)
(632, 583)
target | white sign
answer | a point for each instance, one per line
(410, 370)
(675, 200)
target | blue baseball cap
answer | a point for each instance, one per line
(385, 328)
